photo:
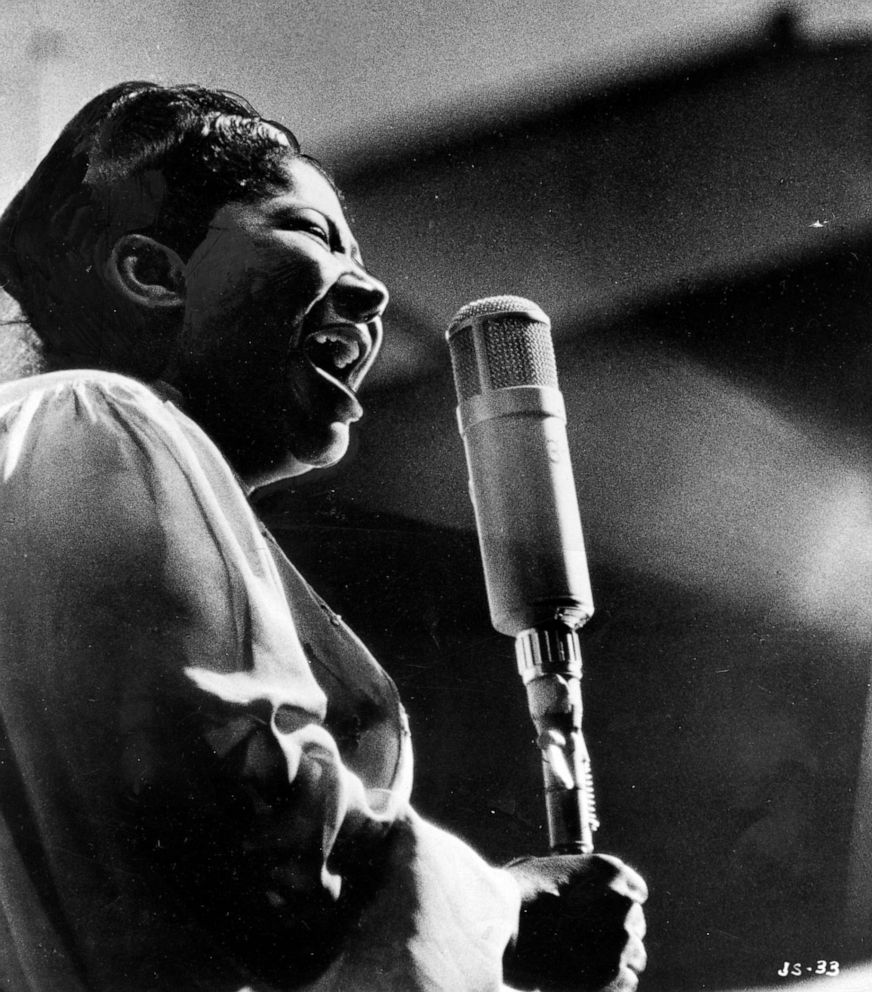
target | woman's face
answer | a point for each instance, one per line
(281, 325)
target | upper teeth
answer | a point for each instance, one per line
(350, 352)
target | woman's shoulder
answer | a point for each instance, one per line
(86, 439)
(85, 405)
(82, 421)
(36, 388)
(96, 463)
(85, 425)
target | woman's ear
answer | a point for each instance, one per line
(147, 272)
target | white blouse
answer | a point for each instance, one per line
(137, 586)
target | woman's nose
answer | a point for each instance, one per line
(358, 296)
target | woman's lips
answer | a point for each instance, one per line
(341, 349)
(340, 353)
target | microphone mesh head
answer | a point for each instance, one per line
(501, 342)
(519, 353)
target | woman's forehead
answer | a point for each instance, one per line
(303, 181)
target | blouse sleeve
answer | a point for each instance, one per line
(138, 590)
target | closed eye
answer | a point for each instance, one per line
(306, 221)
(318, 232)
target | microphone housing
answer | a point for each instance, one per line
(513, 422)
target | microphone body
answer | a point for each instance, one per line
(522, 489)
(513, 422)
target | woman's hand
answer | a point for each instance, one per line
(581, 925)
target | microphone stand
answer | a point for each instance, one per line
(549, 662)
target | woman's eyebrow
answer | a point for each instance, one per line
(279, 210)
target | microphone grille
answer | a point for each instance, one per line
(500, 342)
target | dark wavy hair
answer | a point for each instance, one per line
(140, 157)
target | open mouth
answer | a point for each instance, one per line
(340, 351)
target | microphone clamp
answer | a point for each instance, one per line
(549, 662)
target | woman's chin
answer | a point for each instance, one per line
(330, 450)
(327, 451)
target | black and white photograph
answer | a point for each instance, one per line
(436, 496)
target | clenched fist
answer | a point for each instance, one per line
(581, 925)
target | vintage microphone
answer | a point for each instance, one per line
(513, 422)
